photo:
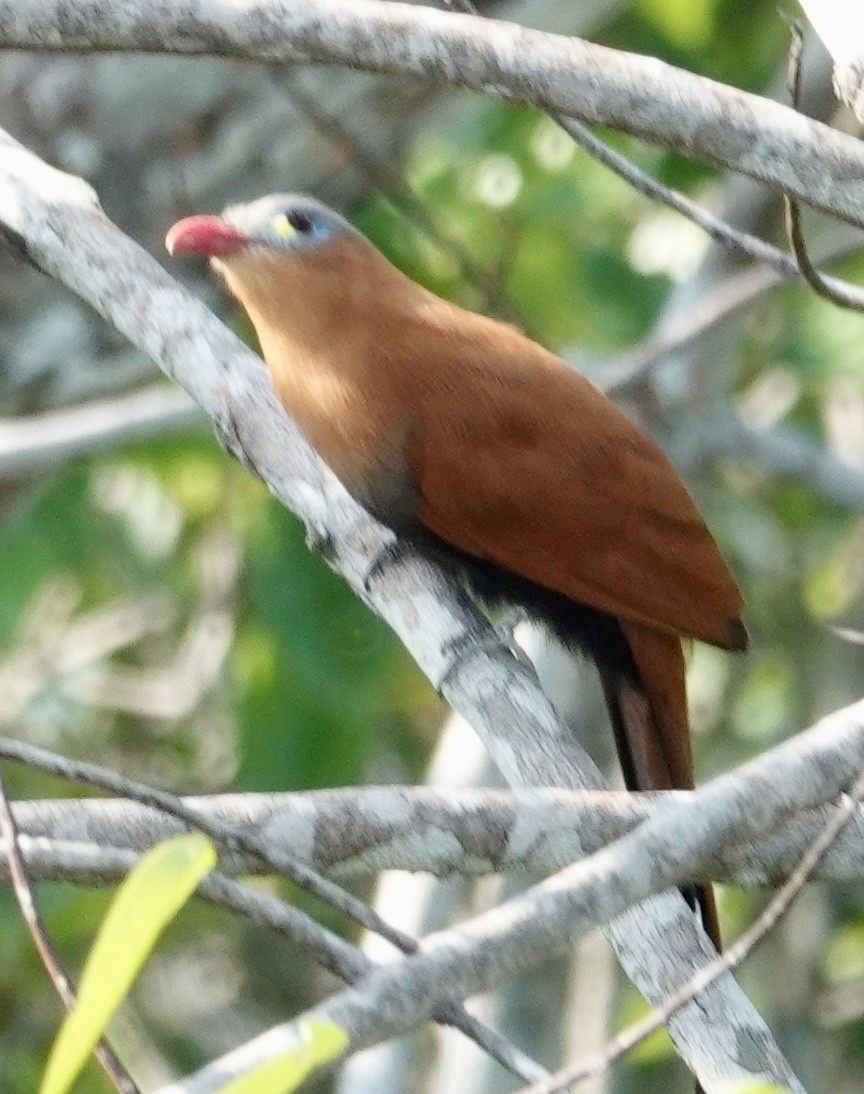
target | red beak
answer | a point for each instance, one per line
(205, 235)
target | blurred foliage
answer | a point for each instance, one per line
(314, 691)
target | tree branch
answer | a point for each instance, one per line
(635, 94)
(357, 832)
(44, 440)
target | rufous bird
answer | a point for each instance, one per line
(491, 453)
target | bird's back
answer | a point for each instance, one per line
(522, 461)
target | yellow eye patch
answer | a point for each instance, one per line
(282, 226)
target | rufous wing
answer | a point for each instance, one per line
(523, 462)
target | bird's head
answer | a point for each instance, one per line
(290, 260)
(277, 225)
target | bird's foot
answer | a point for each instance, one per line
(318, 540)
(472, 642)
(391, 552)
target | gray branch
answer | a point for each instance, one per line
(44, 440)
(357, 832)
(638, 95)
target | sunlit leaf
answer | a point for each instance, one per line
(753, 1086)
(145, 903)
(319, 1042)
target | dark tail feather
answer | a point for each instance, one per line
(652, 732)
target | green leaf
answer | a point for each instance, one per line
(318, 1043)
(754, 1086)
(145, 903)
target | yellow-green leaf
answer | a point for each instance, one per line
(145, 903)
(755, 1086)
(318, 1043)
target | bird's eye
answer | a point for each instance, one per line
(300, 222)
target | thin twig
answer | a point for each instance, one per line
(117, 1074)
(627, 371)
(836, 292)
(717, 229)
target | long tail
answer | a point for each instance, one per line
(652, 731)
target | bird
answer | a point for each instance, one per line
(494, 456)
